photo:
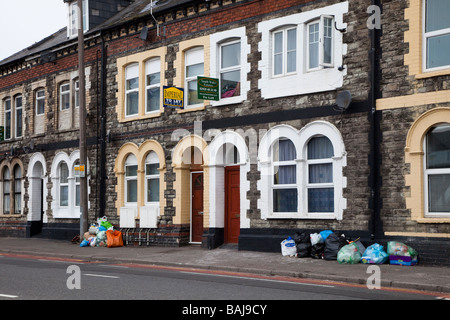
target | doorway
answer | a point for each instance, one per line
(196, 207)
(37, 199)
(232, 204)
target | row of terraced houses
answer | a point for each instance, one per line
(332, 115)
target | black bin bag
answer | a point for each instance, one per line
(303, 243)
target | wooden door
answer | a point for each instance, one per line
(197, 207)
(232, 205)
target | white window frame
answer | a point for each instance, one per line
(18, 194)
(18, 107)
(284, 53)
(426, 36)
(131, 73)
(274, 186)
(300, 138)
(153, 64)
(39, 99)
(8, 110)
(321, 43)
(427, 173)
(131, 161)
(152, 158)
(192, 56)
(234, 68)
(64, 94)
(308, 184)
(6, 184)
(76, 90)
(72, 30)
(63, 184)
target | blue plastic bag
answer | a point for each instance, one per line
(324, 234)
(374, 254)
(84, 243)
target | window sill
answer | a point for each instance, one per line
(315, 216)
(431, 74)
(16, 215)
(193, 108)
(433, 220)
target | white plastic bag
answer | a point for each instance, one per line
(316, 238)
(288, 247)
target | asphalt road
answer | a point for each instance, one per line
(49, 279)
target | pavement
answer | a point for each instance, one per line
(229, 259)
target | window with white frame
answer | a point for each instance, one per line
(152, 84)
(436, 34)
(64, 96)
(8, 118)
(17, 189)
(284, 47)
(77, 184)
(40, 101)
(73, 18)
(132, 90)
(77, 93)
(230, 68)
(320, 43)
(63, 184)
(152, 178)
(131, 189)
(18, 116)
(437, 171)
(284, 168)
(320, 187)
(6, 191)
(194, 66)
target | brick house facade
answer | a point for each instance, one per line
(273, 156)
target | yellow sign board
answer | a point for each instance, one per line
(173, 97)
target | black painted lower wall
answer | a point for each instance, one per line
(432, 251)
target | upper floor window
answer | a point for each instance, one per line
(437, 171)
(7, 104)
(132, 90)
(64, 96)
(320, 43)
(73, 18)
(152, 84)
(284, 51)
(40, 102)
(77, 93)
(18, 116)
(194, 61)
(230, 69)
(436, 34)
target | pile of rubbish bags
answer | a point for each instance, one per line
(331, 245)
(102, 234)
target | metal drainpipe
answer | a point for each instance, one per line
(102, 193)
(375, 223)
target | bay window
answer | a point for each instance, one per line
(152, 178)
(63, 185)
(131, 189)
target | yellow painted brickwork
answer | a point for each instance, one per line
(140, 58)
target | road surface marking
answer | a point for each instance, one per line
(8, 296)
(100, 275)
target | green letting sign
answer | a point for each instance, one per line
(208, 88)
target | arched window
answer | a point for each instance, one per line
(131, 189)
(284, 168)
(320, 188)
(6, 191)
(63, 185)
(17, 189)
(437, 171)
(152, 178)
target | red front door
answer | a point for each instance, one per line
(232, 205)
(197, 207)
